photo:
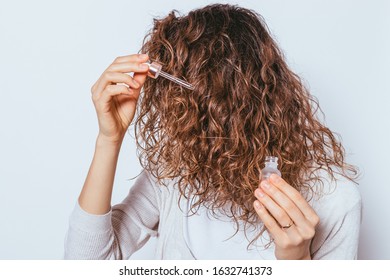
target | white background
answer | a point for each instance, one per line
(53, 51)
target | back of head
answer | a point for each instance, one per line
(247, 104)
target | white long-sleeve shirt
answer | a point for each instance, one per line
(151, 210)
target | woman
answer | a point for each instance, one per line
(201, 191)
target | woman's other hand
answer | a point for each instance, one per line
(115, 95)
(290, 220)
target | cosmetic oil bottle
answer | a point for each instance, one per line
(271, 167)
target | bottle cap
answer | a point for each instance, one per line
(271, 159)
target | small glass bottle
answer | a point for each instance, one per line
(271, 167)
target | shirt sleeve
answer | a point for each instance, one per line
(120, 232)
(338, 231)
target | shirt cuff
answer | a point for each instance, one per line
(91, 223)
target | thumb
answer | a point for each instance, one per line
(140, 78)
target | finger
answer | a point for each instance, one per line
(125, 64)
(284, 238)
(112, 90)
(114, 77)
(128, 67)
(132, 58)
(296, 197)
(269, 222)
(285, 203)
(140, 77)
(302, 224)
(273, 208)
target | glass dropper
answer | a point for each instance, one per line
(155, 71)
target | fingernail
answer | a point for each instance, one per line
(265, 185)
(274, 177)
(259, 193)
(258, 205)
(143, 66)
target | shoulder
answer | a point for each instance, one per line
(148, 185)
(338, 205)
(145, 195)
(146, 181)
(338, 195)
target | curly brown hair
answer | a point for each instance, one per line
(247, 104)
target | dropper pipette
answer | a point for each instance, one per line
(155, 71)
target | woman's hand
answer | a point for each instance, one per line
(290, 220)
(115, 95)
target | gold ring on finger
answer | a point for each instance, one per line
(289, 225)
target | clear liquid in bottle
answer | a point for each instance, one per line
(271, 167)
